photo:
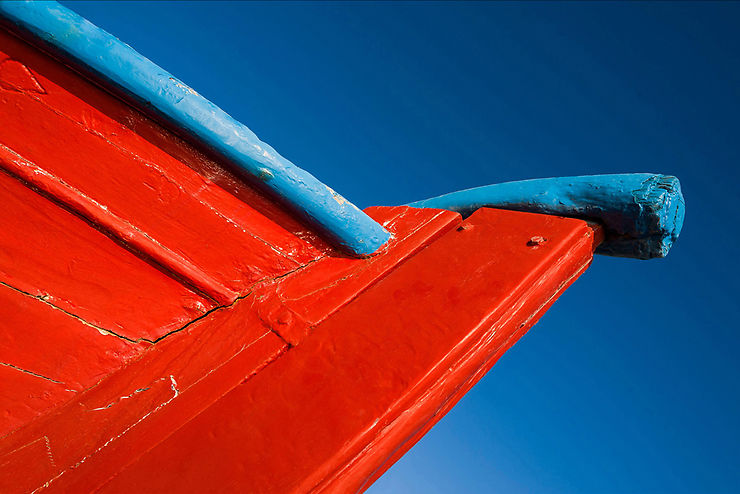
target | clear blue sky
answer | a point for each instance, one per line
(630, 384)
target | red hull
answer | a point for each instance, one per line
(166, 328)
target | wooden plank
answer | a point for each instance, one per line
(101, 430)
(24, 396)
(300, 301)
(138, 181)
(35, 453)
(57, 257)
(47, 342)
(204, 361)
(334, 412)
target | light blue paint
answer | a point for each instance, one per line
(113, 62)
(642, 212)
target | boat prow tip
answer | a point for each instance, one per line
(642, 213)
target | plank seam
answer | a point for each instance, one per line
(30, 372)
(113, 226)
(146, 162)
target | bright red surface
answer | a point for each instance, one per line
(97, 160)
(167, 328)
(337, 410)
(53, 255)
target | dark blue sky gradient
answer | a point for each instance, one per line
(629, 384)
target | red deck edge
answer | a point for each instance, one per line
(335, 412)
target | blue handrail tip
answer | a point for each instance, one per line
(642, 213)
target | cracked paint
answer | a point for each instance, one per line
(140, 390)
(31, 373)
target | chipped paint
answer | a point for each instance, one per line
(126, 397)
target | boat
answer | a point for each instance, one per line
(184, 310)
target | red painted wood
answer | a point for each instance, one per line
(48, 345)
(300, 301)
(55, 256)
(101, 430)
(23, 396)
(118, 169)
(469, 370)
(35, 453)
(220, 341)
(315, 373)
(333, 412)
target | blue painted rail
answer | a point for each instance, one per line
(642, 213)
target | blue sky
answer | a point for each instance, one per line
(629, 384)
